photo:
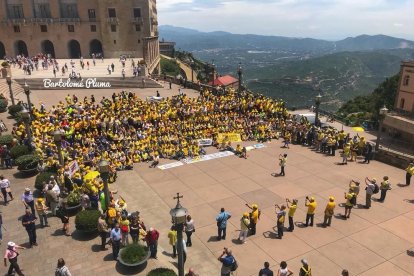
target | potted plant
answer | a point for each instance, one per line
(28, 163)
(19, 150)
(15, 109)
(87, 220)
(6, 139)
(162, 271)
(4, 64)
(133, 255)
(73, 205)
(3, 104)
(43, 177)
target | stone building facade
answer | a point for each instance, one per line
(75, 28)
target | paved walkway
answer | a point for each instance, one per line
(373, 242)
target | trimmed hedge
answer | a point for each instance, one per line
(162, 271)
(43, 177)
(15, 109)
(19, 150)
(73, 199)
(87, 220)
(134, 253)
(6, 139)
(27, 162)
(3, 105)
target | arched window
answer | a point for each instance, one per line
(406, 80)
(402, 102)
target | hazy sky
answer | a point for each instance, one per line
(328, 19)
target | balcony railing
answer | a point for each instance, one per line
(112, 20)
(41, 20)
(137, 20)
(402, 113)
(69, 20)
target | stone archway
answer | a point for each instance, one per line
(48, 48)
(95, 47)
(20, 48)
(74, 49)
(2, 50)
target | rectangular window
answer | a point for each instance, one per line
(111, 12)
(113, 28)
(15, 11)
(93, 28)
(42, 11)
(137, 27)
(137, 12)
(114, 41)
(43, 28)
(16, 28)
(91, 13)
(69, 11)
(71, 28)
(139, 41)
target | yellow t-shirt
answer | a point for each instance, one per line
(330, 208)
(172, 236)
(292, 210)
(255, 215)
(348, 199)
(311, 208)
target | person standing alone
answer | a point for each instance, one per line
(282, 164)
(5, 189)
(11, 255)
(222, 224)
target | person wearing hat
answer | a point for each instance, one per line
(369, 191)
(254, 217)
(280, 219)
(244, 227)
(29, 222)
(409, 172)
(28, 200)
(305, 270)
(329, 211)
(282, 163)
(311, 204)
(384, 187)
(41, 212)
(11, 255)
(350, 201)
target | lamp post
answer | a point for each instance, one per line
(240, 73)
(178, 215)
(27, 92)
(192, 71)
(382, 112)
(8, 79)
(213, 68)
(317, 104)
(103, 167)
(26, 119)
(57, 137)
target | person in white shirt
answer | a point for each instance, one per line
(369, 190)
(5, 189)
(284, 270)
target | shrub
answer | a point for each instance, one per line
(134, 253)
(14, 109)
(162, 271)
(73, 199)
(19, 150)
(87, 220)
(27, 162)
(43, 177)
(5, 64)
(6, 139)
(3, 104)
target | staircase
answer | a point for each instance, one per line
(18, 91)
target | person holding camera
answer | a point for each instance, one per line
(254, 217)
(329, 211)
(228, 262)
(292, 209)
(384, 187)
(311, 204)
(280, 219)
(282, 163)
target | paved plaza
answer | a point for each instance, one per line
(372, 242)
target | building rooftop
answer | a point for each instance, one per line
(224, 81)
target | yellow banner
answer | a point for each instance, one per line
(232, 137)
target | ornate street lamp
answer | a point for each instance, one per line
(240, 73)
(103, 168)
(27, 92)
(57, 137)
(317, 104)
(26, 120)
(383, 111)
(9, 82)
(178, 215)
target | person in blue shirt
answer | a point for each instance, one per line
(116, 240)
(222, 223)
(227, 260)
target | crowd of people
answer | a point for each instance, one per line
(126, 130)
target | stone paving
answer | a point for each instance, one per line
(378, 241)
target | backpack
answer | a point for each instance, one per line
(234, 265)
(376, 189)
(124, 228)
(353, 199)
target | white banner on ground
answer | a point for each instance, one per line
(257, 146)
(170, 165)
(208, 157)
(205, 142)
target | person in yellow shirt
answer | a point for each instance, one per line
(172, 237)
(311, 204)
(244, 227)
(254, 217)
(410, 172)
(350, 202)
(329, 211)
(292, 209)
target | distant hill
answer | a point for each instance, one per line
(192, 40)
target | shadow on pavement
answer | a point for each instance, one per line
(410, 253)
(270, 235)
